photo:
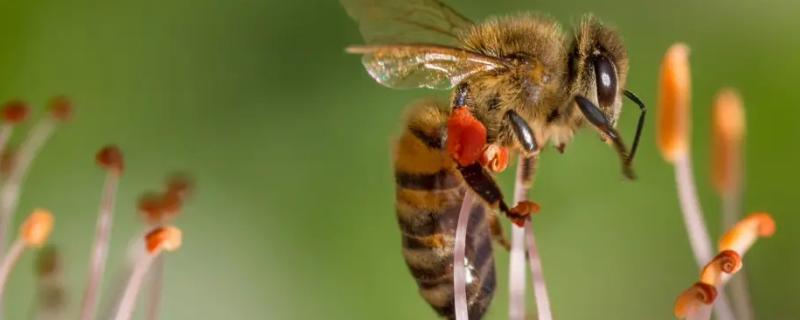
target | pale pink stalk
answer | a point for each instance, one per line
(740, 296)
(128, 301)
(156, 284)
(10, 191)
(100, 250)
(722, 306)
(516, 272)
(9, 261)
(459, 258)
(692, 214)
(537, 277)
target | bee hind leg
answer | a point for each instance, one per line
(497, 231)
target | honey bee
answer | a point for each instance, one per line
(519, 82)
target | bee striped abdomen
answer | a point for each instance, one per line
(429, 195)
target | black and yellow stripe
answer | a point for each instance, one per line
(429, 193)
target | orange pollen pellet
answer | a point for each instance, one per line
(495, 158)
(466, 137)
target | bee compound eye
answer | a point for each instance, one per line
(606, 80)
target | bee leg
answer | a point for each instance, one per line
(523, 133)
(482, 183)
(497, 231)
(599, 120)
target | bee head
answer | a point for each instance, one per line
(598, 66)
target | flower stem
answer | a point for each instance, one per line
(516, 278)
(156, 283)
(100, 250)
(9, 261)
(537, 277)
(692, 214)
(128, 301)
(459, 268)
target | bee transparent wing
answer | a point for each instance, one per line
(407, 21)
(423, 66)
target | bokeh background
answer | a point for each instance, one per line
(288, 139)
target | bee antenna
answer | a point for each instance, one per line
(596, 117)
(640, 125)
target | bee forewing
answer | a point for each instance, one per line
(423, 66)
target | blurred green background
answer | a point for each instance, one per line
(288, 139)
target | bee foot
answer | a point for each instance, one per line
(520, 213)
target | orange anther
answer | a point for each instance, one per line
(179, 185)
(728, 123)
(171, 204)
(693, 298)
(36, 229)
(15, 111)
(150, 207)
(744, 233)
(110, 158)
(60, 108)
(163, 238)
(727, 261)
(674, 103)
